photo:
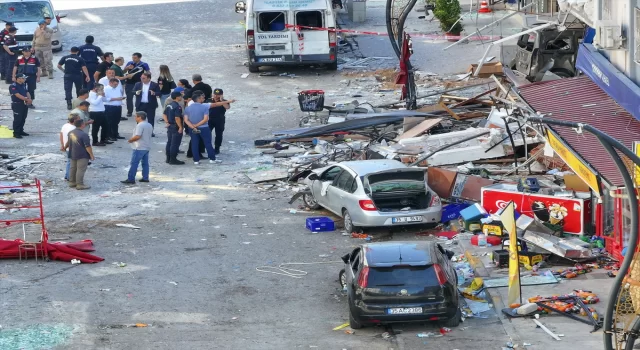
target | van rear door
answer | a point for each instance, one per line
(307, 41)
(272, 38)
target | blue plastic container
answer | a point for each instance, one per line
(473, 213)
(320, 224)
(452, 211)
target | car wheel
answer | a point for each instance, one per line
(454, 321)
(254, 69)
(348, 223)
(332, 66)
(353, 323)
(342, 278)
(310, 201)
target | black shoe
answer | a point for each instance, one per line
(113, 139)
(24, 134)
(217, 150)
(99, 144)
(106, 142)
(17, 136)
(123, 118)
(175, 161)
(143, 180)
(69, 107)
(168, 159)
(120, 137)
(127, 182)
(128, 115)
(31, 107)
(153, 135)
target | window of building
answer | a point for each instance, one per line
(272, 21)
(309, 19)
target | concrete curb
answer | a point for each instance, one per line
(498, 303)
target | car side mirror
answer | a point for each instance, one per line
(450, 254)
(345, 258)
(61, 15)
(313, 177)
(241, 7)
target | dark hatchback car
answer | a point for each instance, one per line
(400, 282)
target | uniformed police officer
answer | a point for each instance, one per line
(90, 53)
(10, 56)
(3, 57)
(74, 70)
(173, 118)
(28, 65)
(20, 98)
(217, 110)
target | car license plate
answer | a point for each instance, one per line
(24, 43)
(271, 59)
(407, 219)
(404, 310)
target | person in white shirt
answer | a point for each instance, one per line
(111, 73)
(113, 108)
(96, 113)
(64, 137)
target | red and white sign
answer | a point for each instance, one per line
(572, 211)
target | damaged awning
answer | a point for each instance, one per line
(580, 100)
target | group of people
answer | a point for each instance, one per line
(103, 87)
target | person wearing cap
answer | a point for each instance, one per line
(10, 56)
(75, 69)
(64, 137)
(42, 47)
(173, 118)
(217, 110)
(90, 53)
(28, 65)
(3, 57)
(168, 101)
(20, 98)
(196, 117)
(81, 153)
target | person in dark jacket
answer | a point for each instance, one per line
(147, 93)
(91, 55)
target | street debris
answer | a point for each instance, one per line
(128, 226)
(344, 325)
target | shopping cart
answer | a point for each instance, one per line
(312, 102)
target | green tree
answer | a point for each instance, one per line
(448, 13)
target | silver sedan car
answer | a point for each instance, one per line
(373, 193)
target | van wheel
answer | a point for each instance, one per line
(348, 223)
(333, 66)
(454, 321)
(253, 68)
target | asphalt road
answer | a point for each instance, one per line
(190, 271)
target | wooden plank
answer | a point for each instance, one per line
(419, 129)
(448, 110)
(431, 108)
(410, 122)
(473, 99)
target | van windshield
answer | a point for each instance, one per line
(28, 11)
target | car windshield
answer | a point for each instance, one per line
(400, 185)
(28, 11)
(401, 276)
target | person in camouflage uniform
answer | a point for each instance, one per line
(42, 48)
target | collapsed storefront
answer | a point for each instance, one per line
(607, 100)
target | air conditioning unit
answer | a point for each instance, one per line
(609, 35)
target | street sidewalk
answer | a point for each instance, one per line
(428, 53)
(523, 330)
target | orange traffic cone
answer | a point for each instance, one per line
(484, 7)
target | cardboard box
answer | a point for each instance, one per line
(487, 70)
(575, 183)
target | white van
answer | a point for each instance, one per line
(276, 34)
(25, 15)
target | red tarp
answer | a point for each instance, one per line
(63, 251)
